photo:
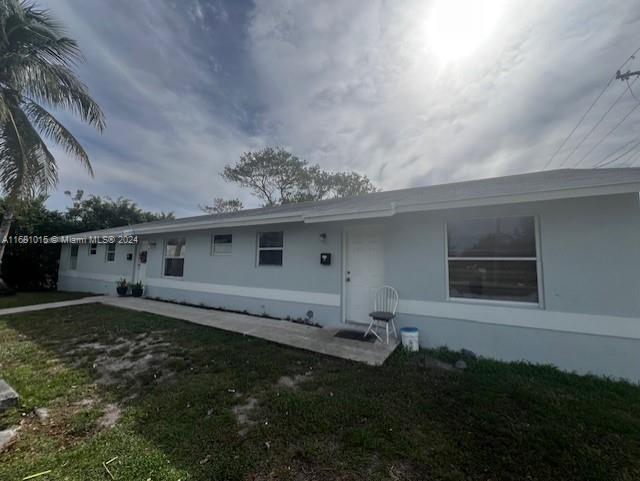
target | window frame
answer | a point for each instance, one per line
(538, 260)
(213, 245)
(108, 251)
(93, 247)
(73, 266)
(165, 257)
(259, 249)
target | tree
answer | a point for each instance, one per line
(34, 266)
(273, 175)
(222, 206)
(36, 61)
(276, 176)
(95, 213)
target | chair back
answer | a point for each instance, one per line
(386, 300)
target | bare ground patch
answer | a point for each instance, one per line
(125, 361)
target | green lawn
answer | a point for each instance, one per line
(42, 297)
(192, 403)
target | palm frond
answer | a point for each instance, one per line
(27, 166)
(54, 130)
(57, 86)
(36, 71)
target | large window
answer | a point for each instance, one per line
(110, 256)
(174, 257)
(73, 260)
(221, 244)
(270, 245)
(493, 259)
(93, 249)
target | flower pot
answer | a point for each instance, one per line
(137, 291)
(122, 290)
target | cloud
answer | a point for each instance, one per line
(187, 86)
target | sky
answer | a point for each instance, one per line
(407, 92)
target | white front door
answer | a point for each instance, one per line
(364, 271)
(141, 267)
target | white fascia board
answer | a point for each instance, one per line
(475, 202)
(332, 217)
(387, 211)
(191, 226)
(521, 198)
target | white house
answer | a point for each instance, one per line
(542, 266)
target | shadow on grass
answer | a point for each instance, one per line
(177, 385)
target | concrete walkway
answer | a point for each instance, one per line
(282, 332)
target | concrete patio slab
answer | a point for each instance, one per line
(320, 340)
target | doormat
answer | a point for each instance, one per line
(355, 335)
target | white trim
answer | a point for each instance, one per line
(107, 252)
(165, 257)
(343, 277)
(93, 276)
(259, 249)
(395, 208)
(537, 259)
(304, 297)
(390, 209)
(594, 324)
(212, 251)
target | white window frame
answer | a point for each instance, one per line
(73, 266)
(165, 257)
(259, 249)
(110, 250)
(538, 259)
(93, 247)
(213, 245)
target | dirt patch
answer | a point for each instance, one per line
(111, 416)
(243, 411)
(292, 382)
(124, 361)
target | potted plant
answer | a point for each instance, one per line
(137, 289)
(122, 287)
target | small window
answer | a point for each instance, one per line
(111, 253)
(73, 260)
(221, 245)
(270, 246)
(493, 259)
(174, 257)
(93, 249)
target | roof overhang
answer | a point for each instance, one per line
(386, 210)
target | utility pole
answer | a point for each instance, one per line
(625, 76)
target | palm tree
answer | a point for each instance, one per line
(36, 71)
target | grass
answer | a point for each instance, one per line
(40, 297)
(180, 390)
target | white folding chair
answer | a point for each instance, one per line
(385, 304)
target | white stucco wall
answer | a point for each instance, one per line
(589, 250)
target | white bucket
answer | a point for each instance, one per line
(410, 338)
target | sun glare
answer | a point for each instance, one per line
(458, 27)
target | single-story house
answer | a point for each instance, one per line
(543, 266)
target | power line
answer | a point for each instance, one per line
(602, 117)
(579, 123)
(608, 133)
(619, 156)
(602, 161)
(632, 56)
(633, 158)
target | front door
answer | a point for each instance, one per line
(364, 271)
(141, 261)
